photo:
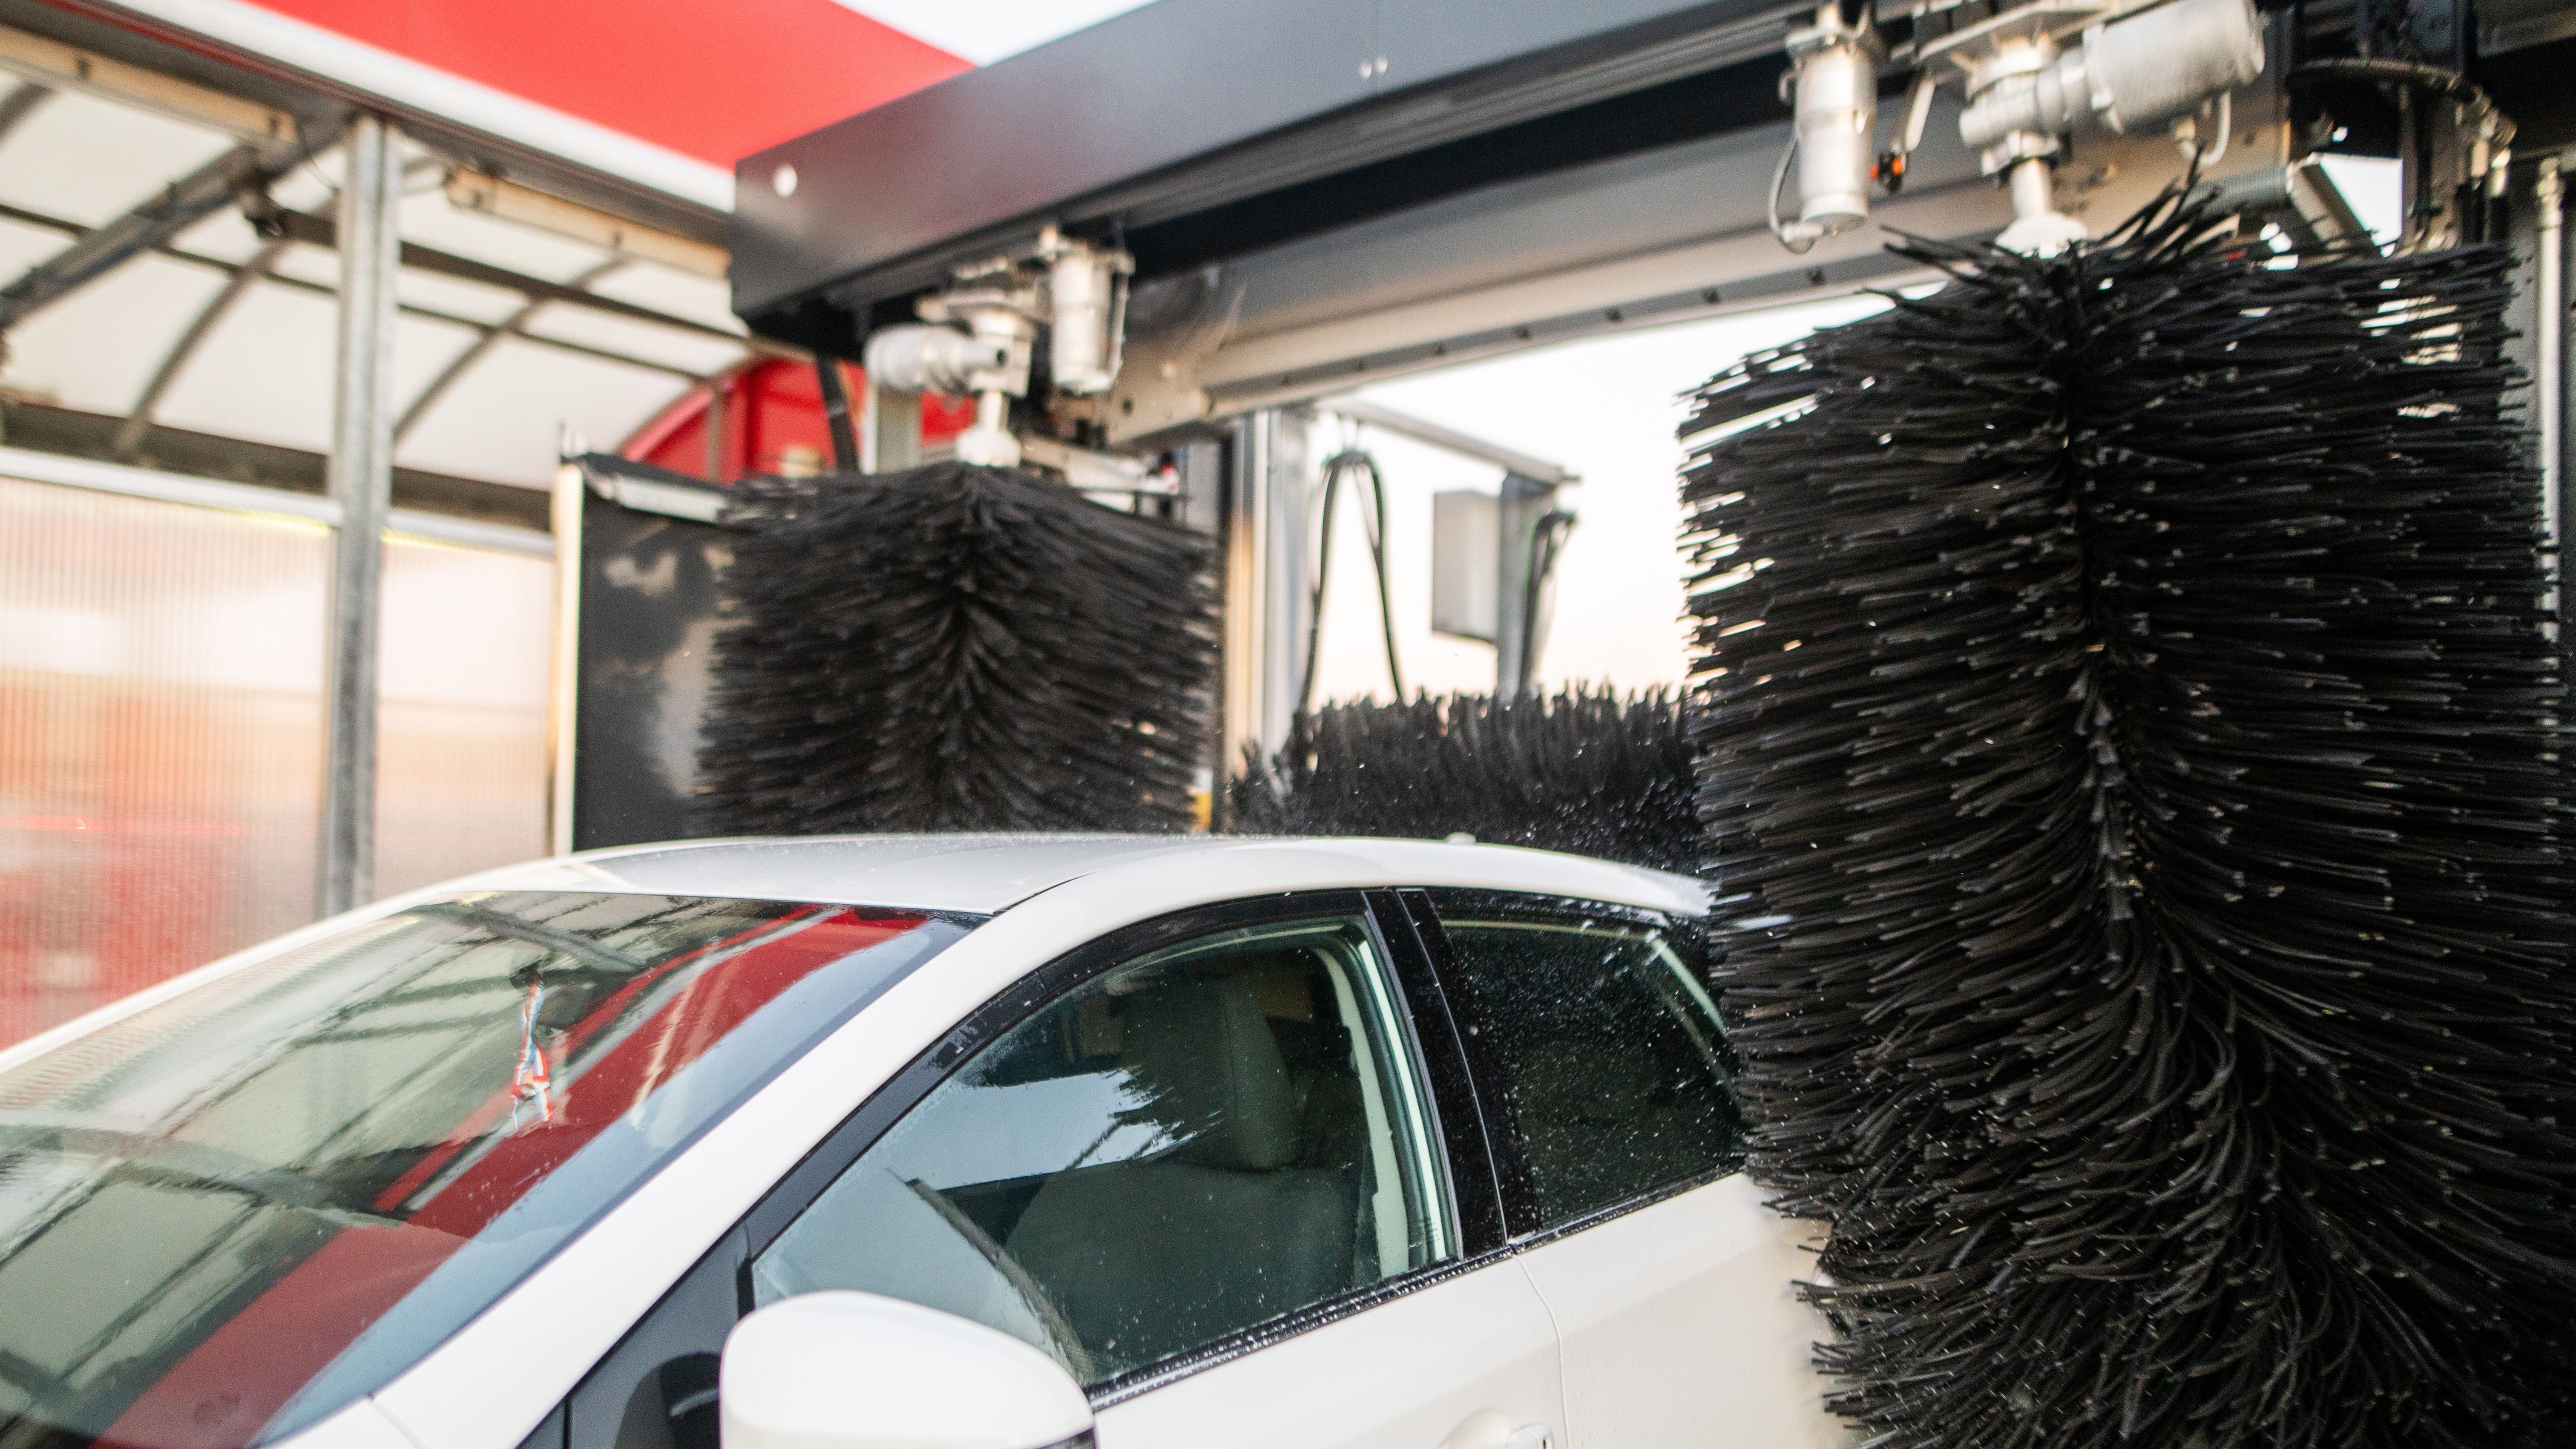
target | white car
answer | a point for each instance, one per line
(967, 1141)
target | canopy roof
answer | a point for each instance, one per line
(147, 319)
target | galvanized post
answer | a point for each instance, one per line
(1241, 533)
(1267, 608)
(1287, 568)
(1525, 500)
(361, 481)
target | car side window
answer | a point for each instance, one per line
(1211, 1136)
(1605, 1049)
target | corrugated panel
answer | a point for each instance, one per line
(461, 780)
(160, 733)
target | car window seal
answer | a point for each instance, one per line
(1515, 1185)
(1466, 1138)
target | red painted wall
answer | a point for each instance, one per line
(714, 79)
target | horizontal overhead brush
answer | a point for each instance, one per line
(1582, 771)
(2131, 752)
(956, 648)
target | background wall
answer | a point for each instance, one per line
(160, 733)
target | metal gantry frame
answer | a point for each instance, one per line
(1266, 528)
(1529, 525)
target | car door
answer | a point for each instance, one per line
(1203, 1164)
(1461, 1355)
(1600, 1061)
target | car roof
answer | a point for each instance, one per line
(987, 874)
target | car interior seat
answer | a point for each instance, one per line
(1219, 1230)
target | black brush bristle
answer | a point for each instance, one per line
(1582, 771)
(956, 648)
(2130, 751)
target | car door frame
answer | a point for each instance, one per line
(688, 1323)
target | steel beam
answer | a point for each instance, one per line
(1269, 599)
(138, 424)
(321, 231)
(20, 104)
(1450, 440)
(361, 479)
(514, 325)
(185, 202)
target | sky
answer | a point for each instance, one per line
(988, 30)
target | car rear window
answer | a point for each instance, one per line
(239, 1209)
(1605, 1049)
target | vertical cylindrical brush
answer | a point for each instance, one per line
(2132, 760)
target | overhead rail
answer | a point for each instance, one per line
(1263, 123)
(122, 480)
(1450, 440)
(1316, 197)
(49, 63)
(322, 232)
(247, 169)
(628, 175)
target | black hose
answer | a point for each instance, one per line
(1334, 467)
(836, 414)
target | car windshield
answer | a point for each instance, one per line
(232, 1212)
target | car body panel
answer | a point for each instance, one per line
(1406, 1374)
(1680, 1323)
(488, 1386)
(985, 874)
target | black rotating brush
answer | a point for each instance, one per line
(956, 648)
(2131, 756)
(1581, 771)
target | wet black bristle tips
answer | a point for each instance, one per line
(1581, 771)
(956, 648)
(2130, 751)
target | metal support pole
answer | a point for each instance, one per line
(1242, 534)
(1525, 500)
(361, 479)
(1287, 568)
(563, 713)
(1266, 582)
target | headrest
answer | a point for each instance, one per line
(1203, 1051)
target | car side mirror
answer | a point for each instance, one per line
(859, 1371)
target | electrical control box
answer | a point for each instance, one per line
(1466, 549)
